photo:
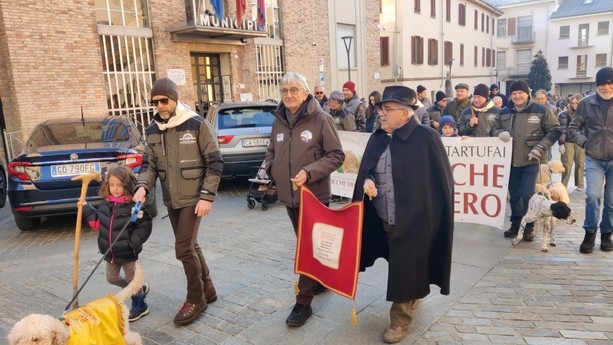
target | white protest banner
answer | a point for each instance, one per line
(480, 166)
(343, 179)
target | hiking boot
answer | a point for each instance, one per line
(209, 291)
(395, 333)
(605, 242)
(512, 231)
(139, 307)
(529, 233)
(319, 288)
(299, 315)
(189, 312)
(587, 246)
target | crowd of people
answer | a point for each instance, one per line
(414, 234)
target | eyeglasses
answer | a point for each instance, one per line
(154, 102)
(293, 91)
(317, 93)
(386, 110)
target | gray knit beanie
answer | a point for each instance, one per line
(165, 87)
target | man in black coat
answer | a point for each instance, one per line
(408, 211)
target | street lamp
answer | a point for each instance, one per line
(347, 40)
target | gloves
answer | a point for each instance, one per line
(562, 149)
(535, 154)
(504, 136)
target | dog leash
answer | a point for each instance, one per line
(133, 218)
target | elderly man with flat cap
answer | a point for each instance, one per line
(414, 234)
(456, 107)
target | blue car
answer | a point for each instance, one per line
(39, 179)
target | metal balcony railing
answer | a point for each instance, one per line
(524, 36)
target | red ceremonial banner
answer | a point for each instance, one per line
(329, 243)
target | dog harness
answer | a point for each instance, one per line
(98, 322)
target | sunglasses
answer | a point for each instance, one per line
(154, 102)
(319, 93)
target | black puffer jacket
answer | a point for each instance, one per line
(114, 215)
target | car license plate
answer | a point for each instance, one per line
(256, 142)
(74, 169)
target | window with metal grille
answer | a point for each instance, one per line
(269, 70)
(126, 48)
(581, 66)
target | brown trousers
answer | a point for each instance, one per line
(305, 284)
(185, 226)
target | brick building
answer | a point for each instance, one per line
(98, 57)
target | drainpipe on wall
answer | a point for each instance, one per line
(442, 21)
(395, 42)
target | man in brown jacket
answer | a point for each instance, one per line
(304, 149)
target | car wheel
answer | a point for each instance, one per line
(250, 203)
(26, 224)
(2, 189)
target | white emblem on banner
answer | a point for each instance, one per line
(327, 240)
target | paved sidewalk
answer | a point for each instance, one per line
(500, 294)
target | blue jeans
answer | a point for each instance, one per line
(598, 172)
(521, 188)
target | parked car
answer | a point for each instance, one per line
(243, 132)
(39, 179)
(2, 185)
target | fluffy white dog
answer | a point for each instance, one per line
(104, 320)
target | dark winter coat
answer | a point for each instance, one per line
(311, 144)
(590, 128)
(113, 216)
(420, 254)
(533, 127)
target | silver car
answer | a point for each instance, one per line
(243, 132)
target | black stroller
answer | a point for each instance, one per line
(262, 189)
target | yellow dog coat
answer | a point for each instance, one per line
(98, 322)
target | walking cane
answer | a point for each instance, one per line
(85, 180)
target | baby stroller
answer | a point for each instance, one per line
(262, 189)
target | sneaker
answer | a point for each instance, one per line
(395, 333)
(188, 313)
(319, 288)
(605, 242)
(587, 246)
(139, 306)
(512, 231)
(580, 189)
(299, 315)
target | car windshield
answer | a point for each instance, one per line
(105, 131)
(245, 117)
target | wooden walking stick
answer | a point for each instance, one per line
(85, 180)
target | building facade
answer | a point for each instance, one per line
(521, 32)
(98, 57)
(437, 43)
(581, 42)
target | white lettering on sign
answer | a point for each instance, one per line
(227, 23)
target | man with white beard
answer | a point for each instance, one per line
(589, 130)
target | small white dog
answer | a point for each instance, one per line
(104, 320)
